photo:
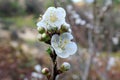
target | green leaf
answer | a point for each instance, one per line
(49, 51)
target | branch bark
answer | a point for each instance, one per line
(55, 3)
(54, 55)
(91, 49)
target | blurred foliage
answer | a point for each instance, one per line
(33, 6)
(114, 54)
(15, 65)
(48, 3)
(116, 2)
(10, 8)
(13, 8)
(21, 21)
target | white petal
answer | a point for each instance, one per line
(71, 48)
(34, 74)
(61, 12)
(58, 50)
(63, 54)
(37, 68)
(49, 11)
(55, 41)
(67, 36)
(59, 22)
(55, 38)
(41, 24)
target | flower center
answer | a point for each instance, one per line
(53, 18)
(63, 43)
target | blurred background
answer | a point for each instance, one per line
(96, 28)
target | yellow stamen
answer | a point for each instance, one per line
(62, 45)
(53, 18)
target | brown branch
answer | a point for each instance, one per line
(55, 3)
(54, 55)
(91, 45)
(55, 67)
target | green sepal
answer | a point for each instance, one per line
(41, 30)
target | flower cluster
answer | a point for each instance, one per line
(54, 30)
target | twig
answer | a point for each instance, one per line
(91, 52)
(54, 66)
(101, 17)
(91, 46)
(54, 55)
(55, 3)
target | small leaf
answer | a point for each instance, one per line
(49, 51)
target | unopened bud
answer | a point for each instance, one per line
(65, 66)
(45, 71)
(53, 29)
(41, 30)
(64, 28)
(45, 37)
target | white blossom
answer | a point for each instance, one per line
(69, 8)
(115, 40)
(36, 75)
(77, 21)
(83, 22)
(63, 45)
(111, 63)
(37, 68)
(53, 17)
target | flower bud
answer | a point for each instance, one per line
(53, 30)
(45, 37)
(45, 71)
(64, 28)
(65, 66)
(41, 30)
